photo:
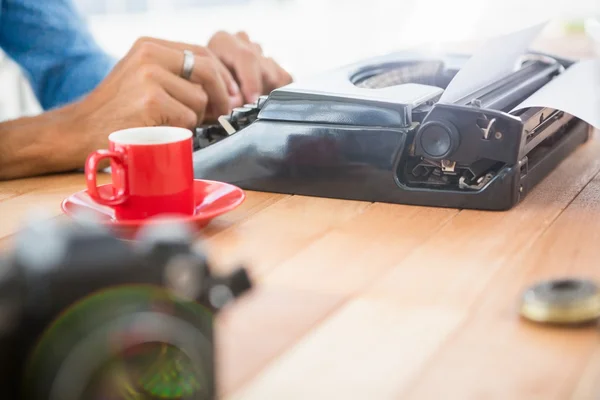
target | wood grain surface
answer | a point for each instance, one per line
(357, 300)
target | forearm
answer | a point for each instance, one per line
(40, 145)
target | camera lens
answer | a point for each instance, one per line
(147, 371)
(137, 342)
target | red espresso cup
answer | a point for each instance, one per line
(152, 172)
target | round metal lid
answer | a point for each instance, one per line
(562, 301)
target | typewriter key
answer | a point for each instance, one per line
(241, 116)
(563, 302)
(261, 101)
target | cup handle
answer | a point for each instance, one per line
(91, 167)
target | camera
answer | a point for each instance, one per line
(86, 315)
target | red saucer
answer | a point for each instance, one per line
(213, 199)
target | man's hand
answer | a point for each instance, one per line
(144, 89)
(255, 73)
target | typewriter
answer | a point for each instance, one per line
(375, 131)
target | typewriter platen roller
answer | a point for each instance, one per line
(374, 131)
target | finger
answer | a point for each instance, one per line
(237, 101)
(248, 71)
(152, 53)
(174, 113)
(270, 74)
(257, 48)
(232, 86)
(243, 36)
(189, 94)
(242, 61)
(206, 73)
(197, 50)
(283, 77)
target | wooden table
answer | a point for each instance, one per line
(359, 300)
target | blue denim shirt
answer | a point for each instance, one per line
(50, 41)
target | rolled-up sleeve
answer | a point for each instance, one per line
(49, 39)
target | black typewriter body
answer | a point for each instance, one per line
(374, 131)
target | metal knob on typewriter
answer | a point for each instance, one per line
(437, 140)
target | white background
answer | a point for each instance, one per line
(309, 36)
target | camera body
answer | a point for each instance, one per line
(84, 315)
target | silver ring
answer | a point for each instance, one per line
(188, 64)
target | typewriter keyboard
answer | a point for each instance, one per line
(239, 118)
